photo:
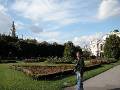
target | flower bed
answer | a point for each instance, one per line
(39, 71)
(47, 71)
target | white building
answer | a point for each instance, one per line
(97, 45)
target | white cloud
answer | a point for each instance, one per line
(49, 34)
(86, 40)
(58, 12)
(36, 29)
(109, 8)
(45, 17)
(53, 40)
(2, 9)
(50, 40)
(35, 9)
(5, 20)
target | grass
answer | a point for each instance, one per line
(16, 80)
(94, 72)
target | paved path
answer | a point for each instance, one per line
(109, 80)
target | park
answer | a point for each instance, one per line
(40, 40)
(27, 64)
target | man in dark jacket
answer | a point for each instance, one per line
(79, 69)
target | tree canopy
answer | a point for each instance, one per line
(14, 47)
(112, 47)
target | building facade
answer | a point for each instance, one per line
(97, 46)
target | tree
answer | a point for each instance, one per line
(112, 47)
(86, 54)
(68, 49)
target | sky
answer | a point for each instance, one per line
(79, 21)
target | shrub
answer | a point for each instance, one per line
(93, 57)
(94, 61)
(35, 60)
(7, 61)
(60, 60)
(111, 60)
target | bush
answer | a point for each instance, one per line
(107, 60)
(93, 57)
(7, 61)
(59, 60)
(8, 58)
(111, 60)
(34, 60)
(95, 61)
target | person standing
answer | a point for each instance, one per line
(79, 70)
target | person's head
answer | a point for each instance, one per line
(78, 54)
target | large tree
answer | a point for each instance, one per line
(68, 49)
(112, 47)
(86, 54)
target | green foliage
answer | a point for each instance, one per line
(111, 60)
(76, 49)
(112, 47)
(86, 54)
(32, 60)
(68, 49)
(11, 47)
(60, 60)
(7, 61)
(15, 80)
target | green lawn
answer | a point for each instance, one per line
(16, 80)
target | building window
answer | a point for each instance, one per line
(101, 47)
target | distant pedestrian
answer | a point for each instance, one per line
(79, 69)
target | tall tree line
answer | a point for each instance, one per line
(13, 47)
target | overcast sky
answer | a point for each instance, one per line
(79, 21)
